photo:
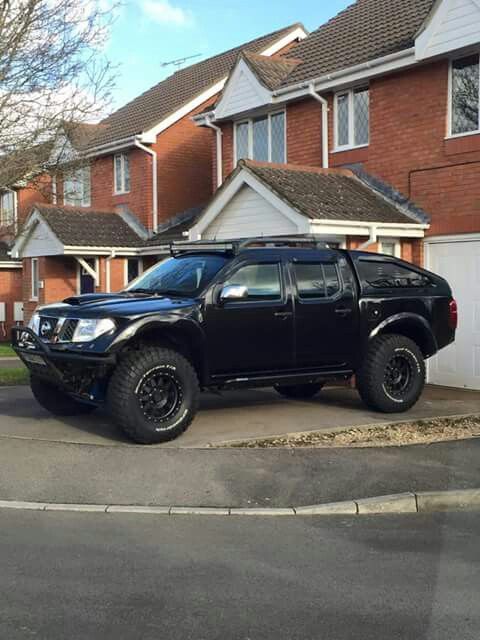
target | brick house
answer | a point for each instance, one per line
(142, 169)
(389, 91)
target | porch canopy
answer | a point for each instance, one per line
(68, 231)
(264, 199)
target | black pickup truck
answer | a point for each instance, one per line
(287, 313)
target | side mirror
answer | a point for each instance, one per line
(233, 292)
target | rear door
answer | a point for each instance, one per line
(325, 312)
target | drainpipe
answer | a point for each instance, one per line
(371, 240)
(152, 153)
(210, 125)
(324, 103)
(108, 260)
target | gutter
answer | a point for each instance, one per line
(152, 153)
(324, 103)
(219, 132)
(364, 66)
(109, 147)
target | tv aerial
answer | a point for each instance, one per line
(179, 61)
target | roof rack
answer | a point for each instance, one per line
(235, 246)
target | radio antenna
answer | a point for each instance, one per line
(179, 61)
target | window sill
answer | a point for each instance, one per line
(120, 193)
(467, 134)
(353, 148)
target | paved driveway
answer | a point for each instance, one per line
(231, 416)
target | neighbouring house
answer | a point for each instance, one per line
(367, 134)
(141, 171)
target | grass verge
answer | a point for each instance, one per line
(10, 377)
(404, 433)
(6, 351)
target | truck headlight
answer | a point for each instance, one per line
(90, 329)
(34, 323)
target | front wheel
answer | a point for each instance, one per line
(392, 376)
(153, 395)
(299, 391)
(56, 401)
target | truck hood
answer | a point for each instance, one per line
(103, 305)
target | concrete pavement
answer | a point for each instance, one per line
(107, 577)
(231, 416)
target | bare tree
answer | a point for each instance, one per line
(53, 72)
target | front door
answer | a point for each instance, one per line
(325, 315)
(255, 334)
(87, 283)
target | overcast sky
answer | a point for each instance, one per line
(149, 32)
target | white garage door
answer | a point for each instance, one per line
(459, 262)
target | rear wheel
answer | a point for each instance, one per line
(299, 391)
(153, 395)
(392, 376)
(56, 401)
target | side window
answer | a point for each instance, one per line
(261, 280)
(315, 280)
(376, 274)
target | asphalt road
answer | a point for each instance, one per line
(101, 576)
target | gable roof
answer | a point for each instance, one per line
(328, 194)
(166, 97)
(80, 228)
(271, 72)
(366, 30)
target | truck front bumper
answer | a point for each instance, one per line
(45, 361)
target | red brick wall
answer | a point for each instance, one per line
(10, 292)
(138, 200)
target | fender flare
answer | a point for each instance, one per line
(413, 320)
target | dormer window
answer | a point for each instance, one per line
(352, 119)
(261, 138)
(465, 96)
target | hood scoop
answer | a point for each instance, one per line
(88, 298)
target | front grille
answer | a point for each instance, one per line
(46, 328)
(67, 330)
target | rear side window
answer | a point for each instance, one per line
(376, 274)
(315, 280)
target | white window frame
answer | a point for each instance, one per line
(250, 121)
(397, 246)
(86, 190)
(351, 119)
(450, 133)
(125, 269)
(120, 189)
(13, 219)
(35, 282)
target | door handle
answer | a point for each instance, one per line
(343, 311)
(283, 314)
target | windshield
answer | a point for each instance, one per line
(184, 276)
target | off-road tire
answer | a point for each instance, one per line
(375, 380)
(56, 401)
(137, 374)
(299, 391)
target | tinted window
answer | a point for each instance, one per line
(261, 280)
(386, 275)
(315, 280)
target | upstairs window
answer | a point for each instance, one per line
(7, 208)
(121, 173)
(465, 96)
(261, 139)
(352, 118)
(76, 187)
